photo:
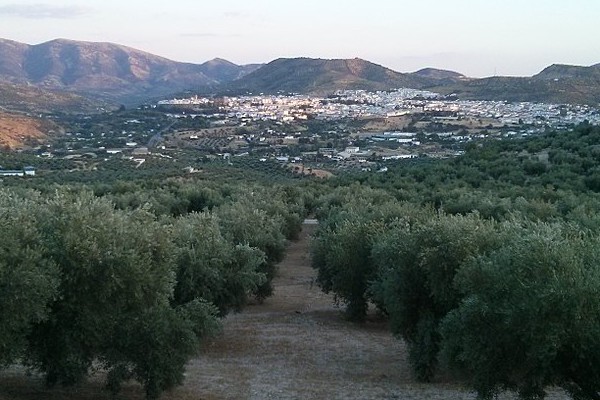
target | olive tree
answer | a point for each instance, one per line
(244, 224)
(530, 316)
(342, 249)
(342, 258)
(211, 268)
(28, 280)
(114, 297)
(417, 264)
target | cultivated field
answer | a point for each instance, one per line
(296, 345)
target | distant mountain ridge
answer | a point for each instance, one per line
(119, 74)
(555, 84)
(315, 75)
(562, 71)
(568, 84)
(221, 70)
(107, 70)
(435, 73)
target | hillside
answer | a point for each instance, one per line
(556, 84)
(29, 98)
(105, 70)
(221, 70)
(561, 71)
(434, 73)
(318, 76)
(544, 87)
(117, 74)
(17, 131)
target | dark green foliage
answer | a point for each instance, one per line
(84, 283)
(406, 261)
(153, 347)
(131, 278)
(355, 196)
(211, 268)
(87, 285)
(342, 246)
(245, 223)
(171, 198)
(534, 167)
(500, 277)
(491, 176)
(114, 267)
(424, 346)
(28, 280)
(342, 258)
(530, 317)
(592, 180)
(418, 262)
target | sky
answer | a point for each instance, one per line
(475, 37)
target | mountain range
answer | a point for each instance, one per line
(107, 70)
(557, 83)
(320, 76)
(68, 72)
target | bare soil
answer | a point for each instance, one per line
(302, 169)
(16, 131)
(296, 345)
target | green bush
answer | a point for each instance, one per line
(342, 258)
(530, 316)
(211, 268)
(28, 280)
(417, 264)
(342, 247)
(86, 283)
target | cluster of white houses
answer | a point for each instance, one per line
(361, 103)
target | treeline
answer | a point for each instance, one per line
(129, 280)
(555, 173)
(492, 275)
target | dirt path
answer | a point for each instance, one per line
(297, 345)
(294, 346)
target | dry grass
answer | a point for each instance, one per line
(18, 130)
(304, 170)
(296, 345)
(387, 124)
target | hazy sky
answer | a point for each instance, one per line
(474, 37)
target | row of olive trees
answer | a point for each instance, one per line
(511, 305)
(86, 286)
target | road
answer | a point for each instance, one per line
(157, 138)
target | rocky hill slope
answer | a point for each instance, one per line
(106, 70)
(318, 76)
(18, 131)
